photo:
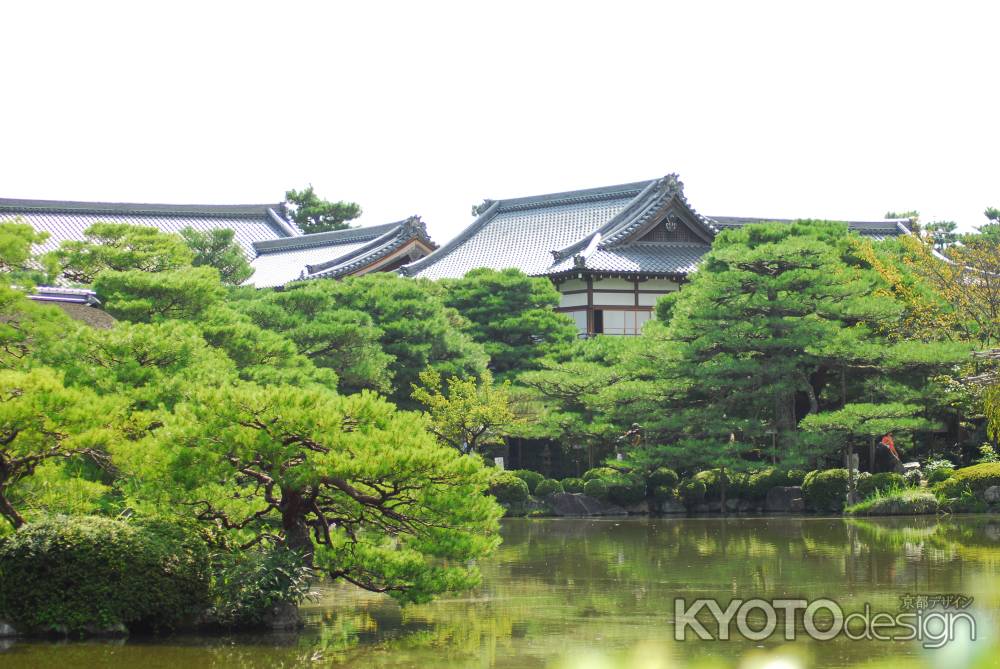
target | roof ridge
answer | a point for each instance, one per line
(149, 208)
(572, 196)
(413, 225)
(328, 238)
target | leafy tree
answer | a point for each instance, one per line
(858, 423)
(331, 335)
(217, 248)
(360, 488)
(41, 420)
(512, 315)
(142, 296)
(781, 322)
(314, 214)
(942, 234)
(16, 261)
(120, 247)
(467, 414)
(417, 330)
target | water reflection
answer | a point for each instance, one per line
(603, 590)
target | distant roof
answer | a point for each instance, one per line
(65, 220)
(79, 304)
(608, 229)
(335, 254)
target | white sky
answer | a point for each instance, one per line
(832, 110)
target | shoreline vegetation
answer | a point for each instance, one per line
(232, 445)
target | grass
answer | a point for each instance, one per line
(896, 502)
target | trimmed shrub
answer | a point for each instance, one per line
(662, 476)
(529, 477)
(596, 488)
(572, 485)
(939, 474)
(78, 572)
(548, 487)
(710, 479)
(882, 482)
(976, 478)
(794, 477)
(662, 493)
(508, 488)
(760, 482)
(599, 473)
(825, 490)
(691, 492)
(898, 502)
(625, 489)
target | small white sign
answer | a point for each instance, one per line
(499, 463)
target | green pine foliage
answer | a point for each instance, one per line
(314, 214)
(217, 248)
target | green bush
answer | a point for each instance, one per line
(881, 483)
(761, 481)
(508, 488)
(691, 492)
(939, 474)
(248, 584)
(976, 478)
(662, 476)
(80, 572)
(662, 493)
(529, 477)
(599, 473)
(548, 487)
(596, 488)
(896, 502)
(913, 477)
(713, 485)
(625, 489)
(825, 490)
(572, 485)
(794, 477)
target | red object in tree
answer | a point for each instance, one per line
(888, 443)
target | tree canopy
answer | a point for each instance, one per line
(314, 214)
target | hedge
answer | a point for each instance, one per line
(825, 490)
(625, 489)
(572, 485)
(548, 487)
(508, 488)
(529, 477)
(691, 492)
(599, 473)
(882, 482)
(976, 478)
(596, 488)
(662, 477)
(74, 573)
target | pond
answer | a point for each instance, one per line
(599, 593)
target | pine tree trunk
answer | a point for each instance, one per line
(293, 523)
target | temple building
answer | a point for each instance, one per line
(278, 251)
(611, 251)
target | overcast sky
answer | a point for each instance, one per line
(797, 109)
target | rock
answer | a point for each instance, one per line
(578, 504)
(670, 506)
(639, 508)
(784, 499)
(113, 631)
(992, 494)
(7, 630)
(908, 466)
(284, 616)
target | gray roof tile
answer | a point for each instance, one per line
(67, 220)
(552, 234)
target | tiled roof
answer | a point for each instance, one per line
(67, 220)
(523, 232)
(592, 229)
(331, 254)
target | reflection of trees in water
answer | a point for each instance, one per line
(557, 585)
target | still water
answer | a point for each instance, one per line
(600, 593)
